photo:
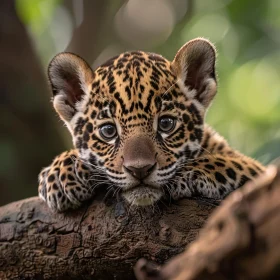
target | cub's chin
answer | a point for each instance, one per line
(142, 195)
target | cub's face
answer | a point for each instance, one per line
(137, 118)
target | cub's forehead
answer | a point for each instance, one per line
(134, 59)
(133, 72)
(132, 80)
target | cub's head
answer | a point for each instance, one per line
(137, 118)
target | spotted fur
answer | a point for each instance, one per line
(132, 92)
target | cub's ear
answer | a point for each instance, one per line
(70, 78)
(194, 66)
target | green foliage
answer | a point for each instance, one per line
(36, 13)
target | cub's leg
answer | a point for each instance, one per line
(65, 183)
(215, 176)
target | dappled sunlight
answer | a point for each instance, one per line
(145, 23)
(255, 90)
(213, 26)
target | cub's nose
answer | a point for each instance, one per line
(140, 173)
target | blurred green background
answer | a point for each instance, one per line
(246, 33)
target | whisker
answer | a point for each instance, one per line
(88, 163)
(109, 190)
(117, 190)
(205, 150)
(94, 187)
(170, 88)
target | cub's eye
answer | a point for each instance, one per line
(108, 131)
(166, 124)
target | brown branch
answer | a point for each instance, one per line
(102, 240)
(87, 38)
(105, 238)
(241, 240)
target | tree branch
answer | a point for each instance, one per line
(86, 38)
(104, 239)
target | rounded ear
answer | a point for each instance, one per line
(194, 66)
(70, 78)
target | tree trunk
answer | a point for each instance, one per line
(88, 38)
(102, 240)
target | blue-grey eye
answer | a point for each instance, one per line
(108, 131)
(166, 124)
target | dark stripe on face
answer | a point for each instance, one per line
(95, 85)
(154, 85)
(128, 92)
(186, 118)
(112, 107)
(79, 125)
(149, 100)
(110, 79)
(168, 107)
(158, 103)
(117, 96)
(195, 112)
(112, 88)
(156, 71)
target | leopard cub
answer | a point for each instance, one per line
(137, 124)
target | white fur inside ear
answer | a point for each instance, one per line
(81, 105)
(60, 104)
(189, 93)
(67, 112)
(79, 112)
(83, 84)
(210, 91)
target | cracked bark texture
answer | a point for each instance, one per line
(105, 238)
(241, 239)
(102, 240)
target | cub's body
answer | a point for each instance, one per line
(137, 124)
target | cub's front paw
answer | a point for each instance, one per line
(64, 184)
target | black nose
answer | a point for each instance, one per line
(140, 172)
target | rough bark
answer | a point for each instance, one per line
(241, 240)
(102, 240)
(105, 238)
